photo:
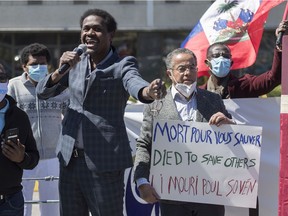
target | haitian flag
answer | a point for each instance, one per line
(237, 23)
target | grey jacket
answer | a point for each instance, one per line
(208, 103)
(97, 102)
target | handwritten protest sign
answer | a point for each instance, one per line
(197, 162)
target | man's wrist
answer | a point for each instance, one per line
(141, 181)
(147, 93)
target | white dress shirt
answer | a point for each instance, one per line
(187, 111)
(186, 108)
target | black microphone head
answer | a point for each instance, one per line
(82, 48)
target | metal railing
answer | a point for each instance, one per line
(47, 178)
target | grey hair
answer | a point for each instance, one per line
(168, 60)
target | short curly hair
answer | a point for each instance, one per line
(109, 20)
(35, 49)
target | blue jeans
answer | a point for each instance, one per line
(12, 205)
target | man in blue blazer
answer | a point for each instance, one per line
(184, 101)
(93, 147)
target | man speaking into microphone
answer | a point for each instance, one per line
(93, 147)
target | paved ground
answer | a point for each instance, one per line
(35, 207)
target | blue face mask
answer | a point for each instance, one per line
(220, 66)
(37, 72)
(3, 90)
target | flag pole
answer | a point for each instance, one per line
(285, 12)
(283, 169)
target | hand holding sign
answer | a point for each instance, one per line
(148, 193)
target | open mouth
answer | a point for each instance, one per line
(91, 43)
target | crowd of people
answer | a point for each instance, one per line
(71, 122)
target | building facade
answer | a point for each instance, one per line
(147, 29)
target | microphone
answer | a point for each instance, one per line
(279, 39)
(82, 48)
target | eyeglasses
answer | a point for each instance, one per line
(156, 107)
(217, 55)
(183, 68)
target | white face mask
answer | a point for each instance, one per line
(184, 89)
(3, 90)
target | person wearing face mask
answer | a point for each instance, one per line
(45, 117)
(219, 61)
(15, 154)
(183, 101)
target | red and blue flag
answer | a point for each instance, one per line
(237, 23)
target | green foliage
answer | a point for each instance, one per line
(224, 7)
(133, 100)
(276, 92)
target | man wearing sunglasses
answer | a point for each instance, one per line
(219, 61)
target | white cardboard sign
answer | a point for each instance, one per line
(197, 162)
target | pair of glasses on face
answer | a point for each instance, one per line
(217, 55)
(184, 68)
